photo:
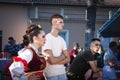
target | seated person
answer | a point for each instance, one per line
(74, 51)
(12, 48)
(84, 66)
(109, 72)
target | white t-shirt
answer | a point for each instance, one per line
(56, 44)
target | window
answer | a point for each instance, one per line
(65, 34)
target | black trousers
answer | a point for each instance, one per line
(72, 76)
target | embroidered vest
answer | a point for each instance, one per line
(37, 62)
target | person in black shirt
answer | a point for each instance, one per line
(84, 66)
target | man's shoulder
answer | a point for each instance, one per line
(108, 53)
(48, 36)
(86, 52)
(87, 55)
(106, 67)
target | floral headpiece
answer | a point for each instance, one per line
(39, 26)
(32, 27)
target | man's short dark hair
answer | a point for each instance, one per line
(112, 44)
(10, 38)
(56, 16)
(95, 39)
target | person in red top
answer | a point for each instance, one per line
(74, 51)
(29, 64)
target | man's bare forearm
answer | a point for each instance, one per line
(65, 61)
(56, 60)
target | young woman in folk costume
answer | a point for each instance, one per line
(29, 64)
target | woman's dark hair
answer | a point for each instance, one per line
(25, 41)
(76, 44)
(25, 37)
(33, 30)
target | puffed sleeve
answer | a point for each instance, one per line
(17, 67)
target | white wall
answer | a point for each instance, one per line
(13, 22)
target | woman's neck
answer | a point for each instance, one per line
(35, 45)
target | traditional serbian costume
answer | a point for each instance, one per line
(26, 63)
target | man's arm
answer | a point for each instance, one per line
(97, 72)
(94, 66)
(67, 57)
(53, 60)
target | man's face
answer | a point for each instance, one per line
(58, 23)
(95, 46)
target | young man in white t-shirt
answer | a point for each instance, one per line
(56, 51)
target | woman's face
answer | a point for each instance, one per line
(111, 62)
(41, 38)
